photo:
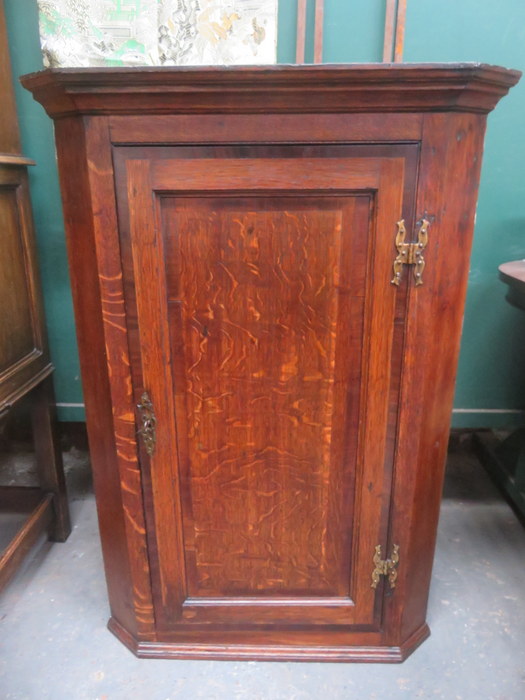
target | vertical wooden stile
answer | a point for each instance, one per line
(394, 40)
(390, 22)
(301, 31)
(318, 31)
(400, 31)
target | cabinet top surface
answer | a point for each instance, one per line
(379, 87)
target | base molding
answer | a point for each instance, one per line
(267, 652)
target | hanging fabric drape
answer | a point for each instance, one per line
(157, 32)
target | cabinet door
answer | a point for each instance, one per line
(23, 354)
(266, 332)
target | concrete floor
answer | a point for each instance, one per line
(54, 643)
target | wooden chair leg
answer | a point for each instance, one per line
(49, 458)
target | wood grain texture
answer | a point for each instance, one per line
(100, 172)
(23, 342)
(257, 288)
(255, 427)
(15, 344)
(367, 652)
(457, 141)
(469, 87)
(24, 354)
(126, 602)
(270, 128)
(9, 132)
(25, 366)
(156, 370)
(244, 222)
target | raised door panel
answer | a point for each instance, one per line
(263, 326)
(21, 339)
(16, 337)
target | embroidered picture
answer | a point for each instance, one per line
(157, 32)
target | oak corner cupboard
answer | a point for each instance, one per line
(269, 269)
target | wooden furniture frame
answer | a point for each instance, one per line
(25, 366)
(301, 31)
(505, 459)
(395, 18)
(183, 186)
(394, 34)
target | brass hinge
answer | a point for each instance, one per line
(410, 253)
(149, 423)
(385, 567)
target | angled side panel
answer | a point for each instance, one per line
(96, 276)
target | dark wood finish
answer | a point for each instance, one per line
(9, 133)
(282, 434)
(513, 274)
(19, 498)
(322, 89)
(25, 365)
(271, 128)
(231, 238)
(269, 648)
(13, 287)
(429, 381)
(505, 459)
(49, 457)
(96, 281)
(38, 521)
(23, 347)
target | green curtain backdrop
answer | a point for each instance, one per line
(491, 380)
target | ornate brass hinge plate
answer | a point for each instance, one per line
(410, 253)
(149, 423)
(385, 567)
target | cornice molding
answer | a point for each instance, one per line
(463, 87)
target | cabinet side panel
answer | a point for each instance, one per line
(9, 134)
(24, 356)
(96, 284)
(16, 337)
(447, 193)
